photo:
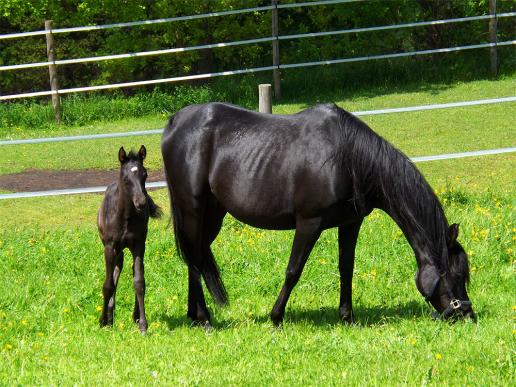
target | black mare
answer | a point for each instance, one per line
(122, 222)
(309, 171)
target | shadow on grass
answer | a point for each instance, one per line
(365, 316)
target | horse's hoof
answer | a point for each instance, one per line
(347, 319)
(277, 320)
(208, 327)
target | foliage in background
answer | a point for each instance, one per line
(18, 15)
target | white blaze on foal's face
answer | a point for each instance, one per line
(134, 169)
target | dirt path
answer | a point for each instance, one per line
(43, 180)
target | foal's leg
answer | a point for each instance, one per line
(348, 235)
(307, 233)
(138, 251)
(211, 224)
(119, 263)
(108, 289)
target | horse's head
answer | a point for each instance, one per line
(133, 175)
(447, 291)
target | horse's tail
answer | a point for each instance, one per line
(154, 210)
(205, 264)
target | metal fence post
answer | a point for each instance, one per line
(493, 24)
(52, 71)
(265, 98)
(275, 51)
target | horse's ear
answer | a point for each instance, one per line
(142, 152)
(427, 279)
(122, 156)
(453, 233)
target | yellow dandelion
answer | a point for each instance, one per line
(470, 368)
(514, 308)
(40, 334)
(24, 322)
(373, 273)
(322, 261)
(438, 356)
(66, 310)
(98, 308)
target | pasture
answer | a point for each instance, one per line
(51, 258)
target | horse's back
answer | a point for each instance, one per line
(258, 166)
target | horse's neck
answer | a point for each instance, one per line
(421, 219)
(125, 206)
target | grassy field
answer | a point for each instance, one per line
(51, 256)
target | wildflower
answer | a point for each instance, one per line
(24, 322)
(470, 368)
(8, 347)
(322, 261)
(514, 308)
(40, 334)
(438, 356)
(412, 341)
(98, 308)
(66, 310)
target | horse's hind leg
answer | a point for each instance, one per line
(210, 225)
(139, 316)
(307, 233)
(348, 236)
(114, 265)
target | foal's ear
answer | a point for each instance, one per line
(142, 152)
(453, 233)
(427, 279)
(122, 156)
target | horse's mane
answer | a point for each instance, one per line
(384, 175)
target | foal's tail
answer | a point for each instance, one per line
(205, 264)
(154, 210)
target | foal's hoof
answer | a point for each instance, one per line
(105, 322)
(143, 326)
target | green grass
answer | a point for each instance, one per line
(51, 257)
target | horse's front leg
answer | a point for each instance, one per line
(348, 235)
(307, 233)
(139, 286)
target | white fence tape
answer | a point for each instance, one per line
(248, 41)
(253, 70)
(357, 113)
(171, 19)
(161, 184)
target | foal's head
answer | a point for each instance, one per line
(133, 175)
(447, 291)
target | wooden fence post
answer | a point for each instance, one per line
(265, 98)
(493, 22)
(275, 50)
(52, 71)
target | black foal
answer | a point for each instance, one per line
(122, 222)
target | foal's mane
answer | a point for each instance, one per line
(384, 175)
